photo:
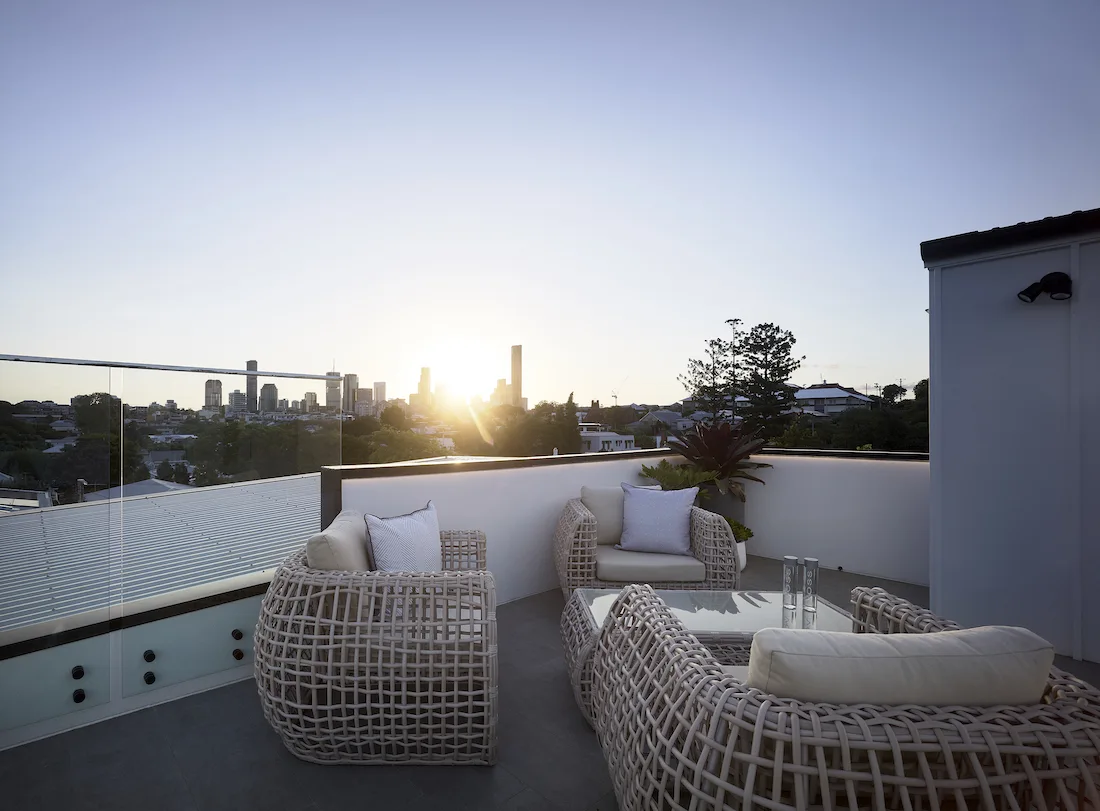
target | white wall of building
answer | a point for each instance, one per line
(1015, 447)
(867, 516)
(863, 515)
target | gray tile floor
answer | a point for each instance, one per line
(215, 751)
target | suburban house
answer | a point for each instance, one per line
(830, 398)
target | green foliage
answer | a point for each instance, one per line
(741, 533)
(180, 474)
(165, 472)
(920, 390)
(677, 477)
(539, 431)
(98, 413)
(892, 393)
(769, 364)
(389, 444)
(801, 433)
(714, 380)
(643, 440)
(866, 447)
(394, 417)
(141, 473)
(722, 448)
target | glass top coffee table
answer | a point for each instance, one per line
(724, 621)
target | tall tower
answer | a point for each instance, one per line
(517, 376)
(269, 397)
(332, 391)
(380, 393)
(425, 387)
(351, 392)
(213, 394)
(250, 385)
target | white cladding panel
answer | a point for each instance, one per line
(1006, 463)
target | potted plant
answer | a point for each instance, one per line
(718, 456)
(741, 535)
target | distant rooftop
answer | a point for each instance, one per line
(148, 487)
(1025, 233)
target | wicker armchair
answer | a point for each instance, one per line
(377, 667)
(712, 542)
(679, 733)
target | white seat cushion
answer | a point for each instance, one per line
(976, 667)
(606, 505)
(620, 566)
(341, 546)
(406, 543)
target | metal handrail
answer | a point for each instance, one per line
(160, 367)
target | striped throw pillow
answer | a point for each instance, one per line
(406, 543)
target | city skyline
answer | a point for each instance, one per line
(601, 187)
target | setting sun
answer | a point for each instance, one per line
(468, 369)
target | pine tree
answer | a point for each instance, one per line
(714, 381)
(769, 364)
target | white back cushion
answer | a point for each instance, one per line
(341, 546)
(657, 520)
(606, 504)
(406, 543)
(976, 667)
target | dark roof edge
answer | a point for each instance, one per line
(935, 251)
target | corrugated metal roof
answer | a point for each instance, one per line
(820, 393)
(62, 561)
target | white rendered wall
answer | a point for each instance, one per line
(516, 508)
(867, 516)
(1009, 429)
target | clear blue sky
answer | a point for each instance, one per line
(405, 184)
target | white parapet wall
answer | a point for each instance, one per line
(865, 515)
(516, 507)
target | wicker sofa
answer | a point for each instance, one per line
(677, 732)
(575, 552)
(376, 667)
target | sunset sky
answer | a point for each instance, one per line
(394, 185)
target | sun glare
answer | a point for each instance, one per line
(464, 371)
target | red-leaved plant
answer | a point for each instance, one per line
(723, 448)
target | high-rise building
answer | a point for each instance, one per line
(517, 376)
(284, 405)
(424, 389)
(213, 394)
(250, 384)
(238, 401)
(364, 396)
(309, 401)
(351, 392)
(295, 405)
(269, 397)
(380, 394)
(502, 394)
(332, 391)
(170, 405)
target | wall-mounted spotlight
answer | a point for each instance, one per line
(1058, 285)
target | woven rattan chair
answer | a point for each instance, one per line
(678, 733)
(377, 667)
(712, 542)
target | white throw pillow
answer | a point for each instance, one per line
(406, 543)
(606, 505)
(657, 520)
(341, 546)
(976, 667)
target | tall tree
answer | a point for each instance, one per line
(711, 381)
(165, 471)
(394, 417)
(892, 393)
(181, 475)
(769, 362)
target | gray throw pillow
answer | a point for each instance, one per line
(406, 543)
(657, 520)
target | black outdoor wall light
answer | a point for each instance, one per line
(1059, 285)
